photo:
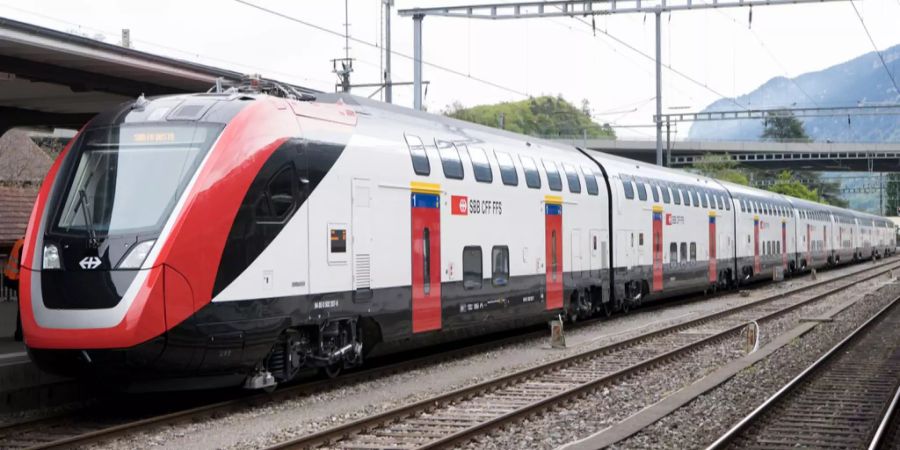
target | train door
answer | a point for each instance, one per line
(784, 262)
(553, 250)
(756, 263)
(596, 247)
(713, 263)
(575, 261)
(657, 245)
(362, 238)
(426, 257)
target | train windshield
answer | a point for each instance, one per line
(128, 178)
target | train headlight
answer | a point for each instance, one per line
(51, 257)
(136, 256)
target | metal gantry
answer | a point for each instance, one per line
(574, 8)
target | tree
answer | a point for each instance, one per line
(787, 185)
(720, 167)
(538, 116)
(782, 126)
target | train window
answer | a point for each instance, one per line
(654, 189)
(508, 173)
(426, 260)
(628, 188)
(480, 165)
(590, 181)
(641, 239)
(572, 179)
(472, 273)
(450, 161)
(665, 193)
(683, 248)
(693, 251)
(641, 190)
(673, 252)
(704, 199)
(676, 196)
(420, 163)
(778, 247)
(743, 203)
(727, 201)
(687, 196)
(554, 181)
(338, 239)
(280, 196)
(532, 178)
(696, 198)
(500, 265)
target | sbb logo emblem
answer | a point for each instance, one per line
(90, 263)
(459, 205)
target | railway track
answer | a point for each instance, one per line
(458, 416)
(837, 402)
(80, 429)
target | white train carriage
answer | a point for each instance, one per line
(765, 231)
(658, 215)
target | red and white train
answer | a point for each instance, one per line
(239, 237)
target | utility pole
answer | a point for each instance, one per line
(531, 9)
(343, 67)
(388, 88)
(659, 156)
(417, 61)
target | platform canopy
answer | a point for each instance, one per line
(55, 79)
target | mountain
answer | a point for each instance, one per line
(861, 80)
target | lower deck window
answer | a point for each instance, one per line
(500, 265)
(472, 271)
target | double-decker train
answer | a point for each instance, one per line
(242, 236)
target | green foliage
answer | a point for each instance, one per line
(783, 126)
(827, 191)
(787, 185)
(538, 116)
(720, 167)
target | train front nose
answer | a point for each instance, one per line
(94, 293)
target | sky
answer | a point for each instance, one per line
(720, 52)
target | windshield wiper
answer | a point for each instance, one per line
(88, 223)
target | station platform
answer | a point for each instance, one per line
(22, 384)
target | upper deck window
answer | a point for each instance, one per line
(628, 188)
(641, 190)
(480, 165)
(420, 163)
(554, 181)
(508, 173)
(590, 181)
(532, 178)
(450, 161)
(572, 178)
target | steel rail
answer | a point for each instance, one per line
(892, 414)
(354, 377)
(344, 431)
(803, 377)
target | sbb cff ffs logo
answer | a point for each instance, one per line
(459, 205)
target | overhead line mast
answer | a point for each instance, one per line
(573, 8)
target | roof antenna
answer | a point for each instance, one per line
(141, 102)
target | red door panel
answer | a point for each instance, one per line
(713, 264)
(426, 261)
(657, 249)
(784, 244)
(553, 239)
(756, 265)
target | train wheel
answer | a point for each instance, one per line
(333, 371)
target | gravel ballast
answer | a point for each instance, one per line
(268, 424)
(706, 418)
